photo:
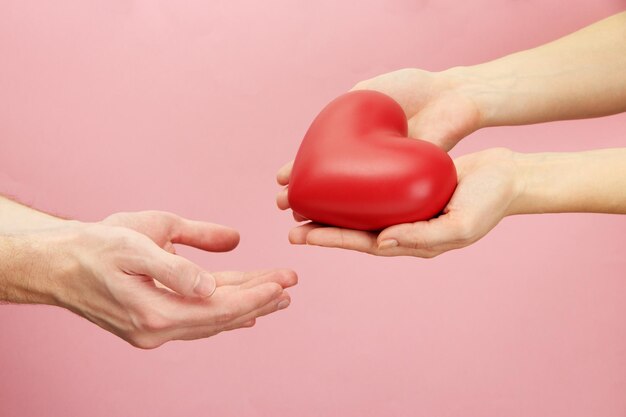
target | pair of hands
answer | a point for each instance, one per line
(134, 285)
(531, 86)
(123, 274)
(487, 188)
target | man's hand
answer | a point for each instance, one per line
(166, 229)
(123, 275)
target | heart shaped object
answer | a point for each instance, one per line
(356, 168)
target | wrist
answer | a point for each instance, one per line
(18, 218)
(591, 181)
(523, 168)
(487, 91)
(35, 266)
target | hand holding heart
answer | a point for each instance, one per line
(443, 116)
(488, 187)
(444, 107)
(437, 106)
(357, 168)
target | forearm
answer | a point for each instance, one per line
(26, 267)
(593, 181)
(30, 255)
(25, 270)
(15, 216)
(578, 76)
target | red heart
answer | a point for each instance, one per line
(356, 167)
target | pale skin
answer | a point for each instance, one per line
(581, 75)
(123, 274)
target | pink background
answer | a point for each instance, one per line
(191, 106)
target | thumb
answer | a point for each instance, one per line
(421, 126)
(178, 273)
(421, 235)
(282, 177)
(444, 122)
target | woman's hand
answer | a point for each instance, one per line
(492, 184)
(488, 187)
(436, 105)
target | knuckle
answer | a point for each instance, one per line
(151, 321)
(126, 240)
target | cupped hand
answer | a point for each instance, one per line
(488, 186)
(117, 274)
(436, 104)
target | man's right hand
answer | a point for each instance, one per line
(122, 274)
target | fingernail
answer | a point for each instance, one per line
(205, 285)
(387, 244)
(283, 304)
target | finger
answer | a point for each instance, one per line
(435, 135)
(426, 235)
(361, 242)
(246, 320)
(282, 199)
(297, 217)
(224, 278)
(203, 235)
(440, 124)
(175, 272)
(297, 235)
(335, 237)
(249, 323)
(280, 303)
(284, 277)
(283, 173)
(225, 306)
(204, 332)
(366, 242)
(169, 247)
